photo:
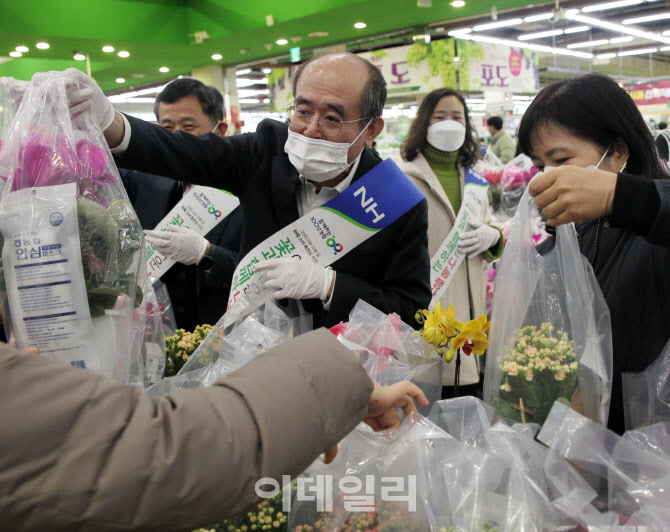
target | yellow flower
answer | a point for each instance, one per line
(443, 319)
(471, 339)
(485, 324)
(433, 335)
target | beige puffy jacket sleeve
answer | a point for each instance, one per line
(80, 451)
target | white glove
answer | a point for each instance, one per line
(296, 279)
(480, 238)
(84, 94)
(179, 244)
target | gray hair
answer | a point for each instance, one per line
(374, 94)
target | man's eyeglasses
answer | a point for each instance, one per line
(329, 125)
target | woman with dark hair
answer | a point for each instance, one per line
(582, 133)
(439, 149)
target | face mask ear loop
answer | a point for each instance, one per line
(623, 167)
(603, 157)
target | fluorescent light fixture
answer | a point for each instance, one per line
(243, 71)
(123, 53)
(267, 71)
(499, 24)
(647, 18)
(216, 57)
(617, 28)
(358, 26)
(248, 100)
(521, 44)
(617, 40)
(664, 49)
(121, 98)
(458, 3)
(15, 54)
(536, 18)
(22, 49)
(120, 80)
(638, 52)
(605, 56)
(459, 31)
(282, 42)
(79, 57)
(457, 59)
(42, 45)
(611, 5)
(576, 29)
(539, 35)
(586, 44)
(247, 82)
(107, 49)
(266, 100)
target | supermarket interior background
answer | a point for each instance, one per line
(499, 54)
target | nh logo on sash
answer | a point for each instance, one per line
(365, 202)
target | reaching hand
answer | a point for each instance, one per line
(573, 194)
(381, 408)
(478, 239)
(179, 244)
(296, 279)
(85, 95)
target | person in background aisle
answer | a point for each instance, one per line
(200, 281)
(501, 143)
(582, 133)
(663, 141)
(438, 150)
(283, 172)
(84, 452)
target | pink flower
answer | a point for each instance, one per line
(340, 328)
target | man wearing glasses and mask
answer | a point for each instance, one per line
(284, 174)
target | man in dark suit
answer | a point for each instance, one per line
(339, 100)
(199, 282)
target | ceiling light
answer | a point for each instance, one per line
(499, 24)
(539, 35)
(120, 80)
(216, 57)
(664, 49)
(460, 31)
(586, 44)
(617, 40)
(123, 53)
(107, 49)
(457, 59)
(79, 57)
(457, 3)
(639, 51)
(243, 71)
(360, 25)
(647, 18)
(15, 54)
(618, 28)
(537, 18)
(267, 71)
(248, 100)
(611, 5)
(164, 69)
(42, 45)
(575, 29)
(247, 82)
(605, 56)
(282, 42)
(316, 34)
(526, 45)
(22, 49)
(266, 100)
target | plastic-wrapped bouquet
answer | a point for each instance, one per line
(538, 369)
(76, 250)
(181, 346)
(515, 178)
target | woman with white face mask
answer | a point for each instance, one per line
(439, 149)
(583, 133)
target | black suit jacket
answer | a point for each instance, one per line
(391, 270)
(197, 296)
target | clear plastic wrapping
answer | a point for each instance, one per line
(550, 328)
(75, 245)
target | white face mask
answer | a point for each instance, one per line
(446, 135)
(318, 160)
